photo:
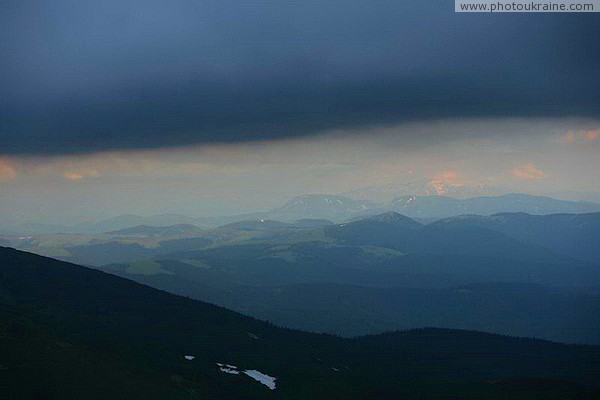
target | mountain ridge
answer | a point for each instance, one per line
(335, 208)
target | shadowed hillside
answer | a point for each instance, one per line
(71, 311)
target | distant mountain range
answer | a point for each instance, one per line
(145, 230)
(543, 238)
(278, 271)
(334, 208)
(255, 225)
(322, 206)
(385, 193)
(339, 208)
(552, 239)
(107, 225)
(68, 332)
(443, 206)
(575, 235)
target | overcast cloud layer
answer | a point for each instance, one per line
(85, 76)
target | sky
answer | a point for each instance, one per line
(220, 107)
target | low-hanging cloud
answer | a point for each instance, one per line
(79, 175)
(528, 172)
(115, 75)
(8, 171)
(445, 180)
(581, 136)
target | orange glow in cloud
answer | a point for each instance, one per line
(568, 138)
(528, 172)
(592, 135)
(8, 172)
(77, 176)
(584, 136)
(442, 182)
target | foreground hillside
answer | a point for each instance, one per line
(71, 332)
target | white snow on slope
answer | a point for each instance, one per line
(266, 380)
(258, 376)
(227, 365)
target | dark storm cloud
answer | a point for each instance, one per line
(81, 76)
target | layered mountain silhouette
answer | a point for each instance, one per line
(372, 262)
(444, 206)
(331, 207)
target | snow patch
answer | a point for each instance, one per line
(258, 376)
(266, 380)
(228, 369)
(227, 365)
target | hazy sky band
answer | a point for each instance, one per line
(82, 76)
(555, 157)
